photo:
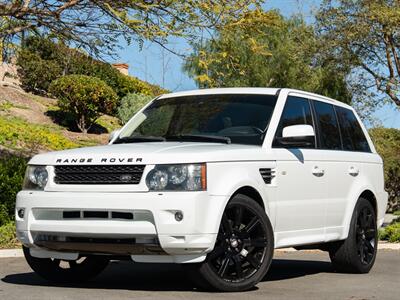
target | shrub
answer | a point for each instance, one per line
(41, 61)
(35, 73)
(8, 237)
(130, 105)
(85, 97)
(391, 232)
(387, 143)
(12, 170)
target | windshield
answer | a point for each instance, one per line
(224, 118)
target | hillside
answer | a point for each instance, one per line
(31, 124)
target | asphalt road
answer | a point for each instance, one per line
(294, 275)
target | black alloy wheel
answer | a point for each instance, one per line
(243, 251)
(365, 235)
(357, 253)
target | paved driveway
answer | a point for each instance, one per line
(294, 275)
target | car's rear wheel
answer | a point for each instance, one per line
(243, 250)
(357, 253)
(66, 271)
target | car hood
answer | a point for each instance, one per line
(153, 153)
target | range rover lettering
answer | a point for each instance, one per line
(213, 179)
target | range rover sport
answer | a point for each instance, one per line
(213, 179)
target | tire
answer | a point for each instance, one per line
(357, 253)
(243, 251)
(60, 271)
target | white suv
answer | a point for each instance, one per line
(213, 179)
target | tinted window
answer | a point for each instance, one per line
(328, 126)
(352, 135)
(296, 112)
(243, 118)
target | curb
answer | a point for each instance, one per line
(9, 253)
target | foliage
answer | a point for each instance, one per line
(20, 135)
(85, 97)
(266, 50)
(8, 238)
(387, 143)
(12, 170)
(365, 35)
(391, 232)
(41, 61)
(130, 105)
(96, 26)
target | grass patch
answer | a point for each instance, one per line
(17, 134)
(391, 233)
(8, 238)
(7, 105)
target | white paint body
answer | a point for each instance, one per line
(303, 207)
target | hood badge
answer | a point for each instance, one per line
(103, 160)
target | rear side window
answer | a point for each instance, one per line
(329, 134)
(352, 134)
(297, 111)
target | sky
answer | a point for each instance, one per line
(158, 66)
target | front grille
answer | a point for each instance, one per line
(267, 175)
(98, 174)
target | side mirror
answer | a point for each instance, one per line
(297, 136)
(113, 134)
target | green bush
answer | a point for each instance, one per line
(35, 73)
(12, 170)
(130, 105)
(84, 97)
(41, 61)
(391, 232)
(387, 143)
(8, 237)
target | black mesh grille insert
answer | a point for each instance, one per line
(98, 174)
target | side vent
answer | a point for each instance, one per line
(267, 175)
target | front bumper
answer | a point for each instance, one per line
(153, 213)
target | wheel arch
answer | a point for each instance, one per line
(365, 192)
(252, 193)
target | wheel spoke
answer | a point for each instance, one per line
(361, 249)
(258, 242)
(369, 246)
(253, 261)
(226, 225)
(238, 266)
(238, 217)
(217, 252)
(223, 267)
(252, 224)
(370, 233)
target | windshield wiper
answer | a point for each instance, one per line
(200, 138)
(138, 139)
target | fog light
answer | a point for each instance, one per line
(21, 213)
(179, 216)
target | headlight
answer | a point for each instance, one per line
(182, 177)
(35, 178)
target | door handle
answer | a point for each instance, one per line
(317, 171)
(353, 171)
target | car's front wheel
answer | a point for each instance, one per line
(243, 250)
(66, 271)
(357, 253)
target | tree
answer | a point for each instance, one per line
(85, 97)
(130, 105)
(365, 35)
(266, 50)
(97, 25)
